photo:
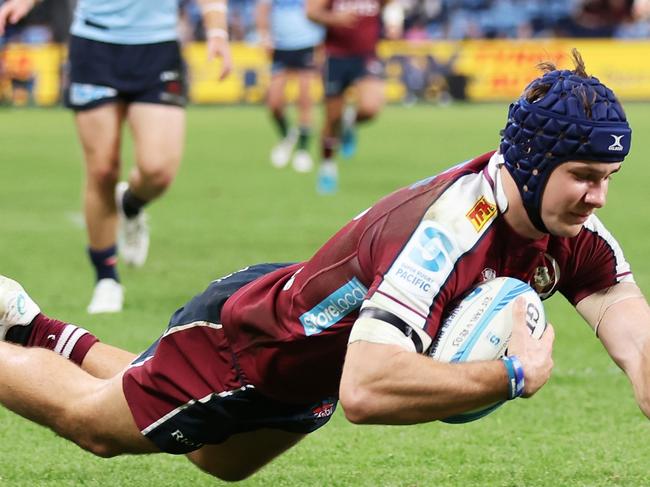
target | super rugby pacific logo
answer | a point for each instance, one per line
(334, 308)
(426, 260)
(431, 249)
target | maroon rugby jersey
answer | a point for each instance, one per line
(362, 38)
(413, 254)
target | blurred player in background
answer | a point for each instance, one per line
(258, 360)
(126, 67)
(292, 38)
(353, 30)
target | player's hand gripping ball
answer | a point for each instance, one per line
(480, 327)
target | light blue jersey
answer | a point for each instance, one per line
(126, 21)
(290, 27)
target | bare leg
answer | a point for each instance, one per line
(305, 102)
(327, 182)
(159, 135)
(46, 388)
(370, 98)
(244, 454)
(99, 131)
(333, 113)
(105, 361)
(275, 97)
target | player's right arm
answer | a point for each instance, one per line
(319, 11)
(13, 10)
(262, 24)
(384, 383)
(215, 24)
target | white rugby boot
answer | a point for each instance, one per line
(16, 307)
(132, 233)
(108, 297)
(281, 153)
(302, 161)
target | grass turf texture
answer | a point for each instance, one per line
(229, 208)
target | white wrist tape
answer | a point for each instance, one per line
(221, 33)
(215, 7)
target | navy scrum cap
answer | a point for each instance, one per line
(578, 118)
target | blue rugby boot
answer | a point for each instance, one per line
(328, 178)
(349, 133)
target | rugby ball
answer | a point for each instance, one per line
(480, 326)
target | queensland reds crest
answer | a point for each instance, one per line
(546, 277)
(488, 274)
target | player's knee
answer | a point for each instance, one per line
(104, 176)
(368, 111)
(99, 447)
(159, 176)
(81, 429)
(277, 110)
(98, 442)
(226, 469)
(229, 473)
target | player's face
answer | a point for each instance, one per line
(574, 191)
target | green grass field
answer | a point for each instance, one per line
(230, 208)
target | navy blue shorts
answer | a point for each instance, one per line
(298, 59)
(185, 391)
(101, 72)
(341, 72)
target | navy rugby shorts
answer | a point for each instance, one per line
(298, 59)
(185, 391)
(101, 72)
(342, 71)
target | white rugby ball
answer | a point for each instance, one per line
(480, 326)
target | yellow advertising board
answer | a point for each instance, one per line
(247, 83)
(498, 70)
(476, 70)
(31, 74)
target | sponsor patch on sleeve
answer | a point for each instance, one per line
(481, 213)
(334, 307)
(424, 263)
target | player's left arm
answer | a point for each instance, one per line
(620, 315)
(393, 18)
(262, 24)
(320, 11)
(215, 23)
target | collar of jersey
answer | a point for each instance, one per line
(496, 161)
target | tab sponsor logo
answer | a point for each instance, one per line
(481, 213)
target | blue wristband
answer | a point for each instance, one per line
(515, 376)
(519, 373)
